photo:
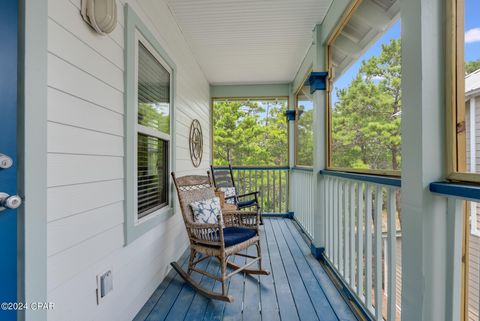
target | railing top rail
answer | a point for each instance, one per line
(458, 190)
(302, 169)
(382, 180)
(277, 168)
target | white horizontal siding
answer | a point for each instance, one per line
(86, 163)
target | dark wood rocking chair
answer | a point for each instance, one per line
(224, 182)
(240, 231)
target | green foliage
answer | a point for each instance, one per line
(305, 137)
(250, 133)
(471, 66)
(366, 118)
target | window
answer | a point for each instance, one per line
(149, 126)
(304, 126)
(364, 90)
(250, 132)
(153, 132)
(463, 96)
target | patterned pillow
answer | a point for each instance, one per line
(207, 211)
(229, 191)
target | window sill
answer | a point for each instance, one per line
(166, 210)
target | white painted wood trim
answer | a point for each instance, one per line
(454, 258)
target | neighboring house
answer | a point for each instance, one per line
(472, 122)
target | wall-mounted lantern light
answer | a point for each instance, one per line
(101, 15)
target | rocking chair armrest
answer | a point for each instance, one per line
(248, 194)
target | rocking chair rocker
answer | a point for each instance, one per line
(239, 231)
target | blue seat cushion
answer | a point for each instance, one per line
(247, 203)
(235, 235)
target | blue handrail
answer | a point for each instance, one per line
(383, 180)
(302, 169)
(246, 168)
(463, 190)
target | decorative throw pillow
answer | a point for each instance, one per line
(207, 211)
(229, 191)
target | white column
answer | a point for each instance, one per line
(424, 222)
(291, 149)
(319, 133)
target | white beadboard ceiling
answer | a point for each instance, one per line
(249, 41)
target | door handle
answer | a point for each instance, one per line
(5, 161)
(9, 202)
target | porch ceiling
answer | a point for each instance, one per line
(249, 41)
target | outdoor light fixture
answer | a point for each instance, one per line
(101, 15)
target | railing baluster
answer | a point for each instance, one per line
(360, 242)
(340, 225)
(352, 235)
(327, 216)
(346, 199)
(275, 191)
(330, 214)
(280, 195)
(335, 222)
(378, 253)
(392, 244)
(368, 239)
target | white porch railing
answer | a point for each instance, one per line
(360, 209)
(302, 188)
(456, 195)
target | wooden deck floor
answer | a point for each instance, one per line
(297, 289)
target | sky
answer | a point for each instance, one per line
(472, 30)
(472, 44)
(349, 74)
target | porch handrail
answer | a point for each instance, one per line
(458, 190)
(377, 179)
(253, 167)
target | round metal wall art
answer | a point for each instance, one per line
(196, 143)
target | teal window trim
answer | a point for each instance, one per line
(133, 227)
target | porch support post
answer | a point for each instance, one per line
(319, 139)
(423, 215)
(291, 143)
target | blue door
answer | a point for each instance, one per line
(8, 157)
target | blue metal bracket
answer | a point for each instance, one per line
(290, 114)
(318, 81)
(317, 252)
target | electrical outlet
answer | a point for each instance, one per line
(104, 285)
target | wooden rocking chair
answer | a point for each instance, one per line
(224, 182)
(240, 231)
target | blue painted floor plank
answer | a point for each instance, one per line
(251, 297)
(305, 308)
(341, 308)
(288, 310)
(185, 298)
(233, 311)
(297, 289)
(268, 296)
(323, 308)
(199, 304)
(152, 301)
